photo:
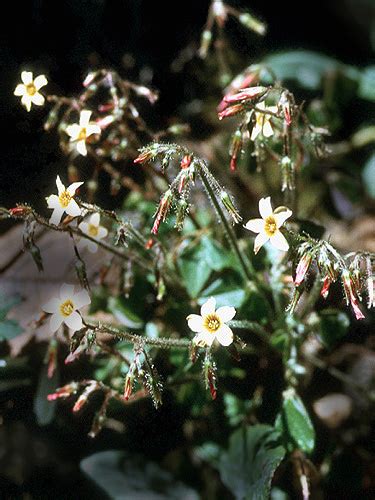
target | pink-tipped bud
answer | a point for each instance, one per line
(230, 111)
(145, 156)
(350, 294)
(185, 162)
(245, 94)
(18, 211)
(104, 122)
(162, 211)
(285, 106)
(220, 12)
(82, 400)
(63, 392)
(302, 268)
(325, 288)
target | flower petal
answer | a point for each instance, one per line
(281, 217)
(92, 129)
(74, 321)
(52, 306)
(38, 99)
(84, 227)
(204, 339)
(94, 219)
(226, 313)
(55, 322)
(81, 299)
(73, 188)
(267, 129)
(93, 247)
(73, 131)
(260, 240)
(81, 148)
(20, 89)
(26, 101)
(84, 117)
(40, 81)
(224, 335)
(66, 291)
(279, 241)
(73, 209)
(56, 216)
(27, 77)
(195, 322)
(60, 185)
(255, 225)
(257, 129)
(208, 307)
(102, 233)
(265, 207)
(53, 201)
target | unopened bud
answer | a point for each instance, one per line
(206, 39)
(350, 294)
(228, 204)
(302, 268)
(63, 392)
(253, 24)
(246, 94)
(231, 111)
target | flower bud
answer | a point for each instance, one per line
(325, 288)
(206, 39)
(350, 295)
(246, 94)
(230, 111)
(82, 400)
(252, 23)
(235, 149)
(302, 268)
(162, 211)
(209, 372)
(228, 204)
(285, 106)
(64, 392)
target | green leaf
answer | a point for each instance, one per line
(9, 328)
(368, 176)
(44, 409)
(295, 424)
(308, 67)
(333, 326)
(122, 310)
(366, 89)
(226, 291)
(119, 475)
(249, 464)
(196, 264)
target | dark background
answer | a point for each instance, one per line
(63, 40)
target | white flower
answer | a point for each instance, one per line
(64, 309)
(64, 201)
(269, 226)
(95, 230)
(29, 89)
(211, 324)
(80, 132)
(262, 122)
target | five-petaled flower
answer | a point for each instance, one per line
(210, 325)
(64, 308)
(269, 226)
(29, 89)
(64, 201)
(95, 230)
(263, 121)
(79, 132)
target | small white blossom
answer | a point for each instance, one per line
(79, 132)
(64, 308)
(269, 226)
(29, 89)
(262, 122)
(64, 201)
(210, 325)
(94, 229)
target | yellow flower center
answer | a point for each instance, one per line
(31, 89)
(270, 225)
(67, 308)
(64, 199)
(212, 323)
(82, 134)
(93, 230)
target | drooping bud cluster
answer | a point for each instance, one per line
(355, 271)
(177, 196)
(218, 15)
